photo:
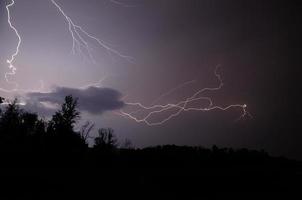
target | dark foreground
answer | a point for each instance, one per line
(169, 172)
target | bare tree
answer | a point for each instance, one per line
(106, 139)
(86, 129)
(127, 144)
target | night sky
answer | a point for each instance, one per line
(257, 45)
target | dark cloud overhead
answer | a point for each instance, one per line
(94, 100)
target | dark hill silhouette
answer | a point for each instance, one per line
(49, 159)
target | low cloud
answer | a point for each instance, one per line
(94, 100)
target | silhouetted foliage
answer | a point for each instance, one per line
(106, 140)
(86, 129)
(57, 144)
(60, 130)
(63, 120)
(24, 131)
(127, 144)
(15, 127)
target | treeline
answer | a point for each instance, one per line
(23, 131)
(47, 159)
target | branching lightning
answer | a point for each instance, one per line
(172, 90)
(164, 95)
(182, 106)
(11, 60)
(96, 84)
(80, 45)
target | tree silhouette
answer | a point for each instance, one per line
(17, 128)
(86, 129)
(23, 131)
(63, 120)
(127, 144)
(10, 127)
(106, 140)
(61, 128)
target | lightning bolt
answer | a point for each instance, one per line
(97, 84)
(165, 94)
(172, 90)
(11, 60)
(80, 45)
(182, 106)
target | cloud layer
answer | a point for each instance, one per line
(94, 100)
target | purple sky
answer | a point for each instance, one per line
(256, 43)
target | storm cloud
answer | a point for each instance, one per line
(94, 100)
